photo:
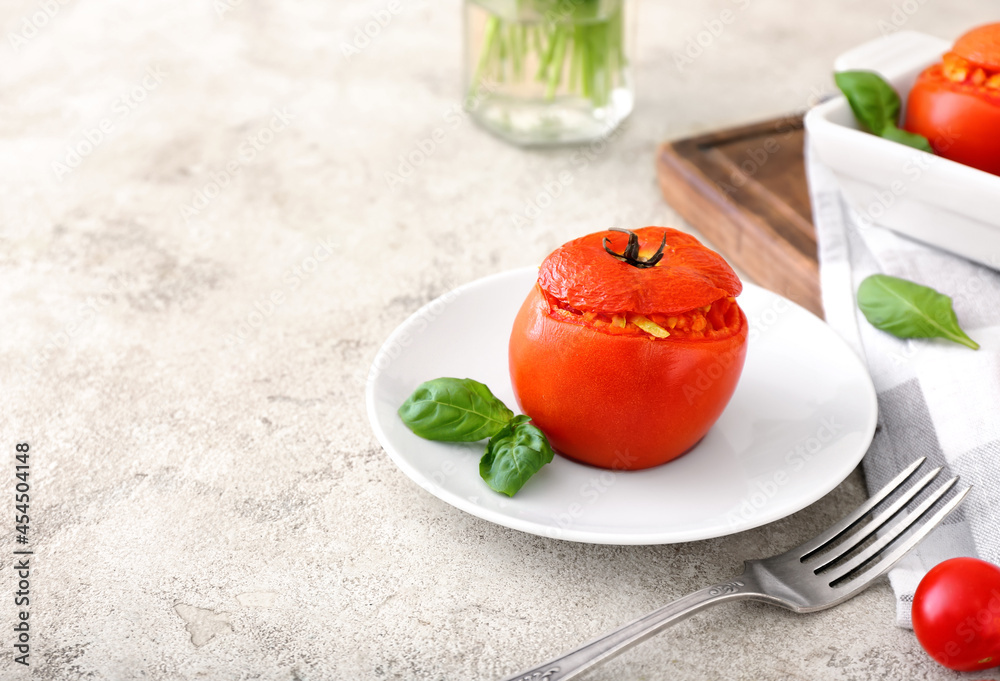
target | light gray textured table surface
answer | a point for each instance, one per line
(208, 498)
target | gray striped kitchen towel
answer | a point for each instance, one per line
(936, 399)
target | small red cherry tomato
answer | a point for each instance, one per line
(956, 614)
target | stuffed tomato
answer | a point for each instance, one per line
(955, 104)
(629, 346)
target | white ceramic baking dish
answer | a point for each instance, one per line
(925, 197)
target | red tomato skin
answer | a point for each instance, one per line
(961, 124)
(956, 614)
(614, 401)
(582, 275)
(981, 46)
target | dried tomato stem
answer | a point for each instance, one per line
(631, 253)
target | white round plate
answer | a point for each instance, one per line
(801, 419)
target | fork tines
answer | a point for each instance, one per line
(847, 550)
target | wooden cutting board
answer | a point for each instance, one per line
(745, 190)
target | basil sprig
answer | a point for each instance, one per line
(513, 455)
(464, 410)
(910, 139)
(876, 105)
(908, 310)
(454, 410)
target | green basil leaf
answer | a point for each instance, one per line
(454, 410)
(513, 455)
(872, 100)
(910, 139)
(909, 310)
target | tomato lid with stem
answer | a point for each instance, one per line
(981, 46)
(652, 270)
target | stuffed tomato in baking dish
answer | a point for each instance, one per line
(955, 103)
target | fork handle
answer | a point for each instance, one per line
(606, 647)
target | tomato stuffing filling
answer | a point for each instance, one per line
(721, 319)
(962, 71)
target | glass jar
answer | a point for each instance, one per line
(540, 72)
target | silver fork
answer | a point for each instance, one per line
(816, 575)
